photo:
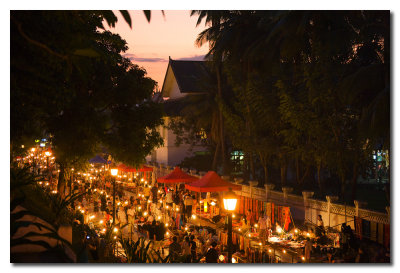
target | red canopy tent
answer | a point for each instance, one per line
(145, 169)
(177, 176)
(122, 167)
(212, 182)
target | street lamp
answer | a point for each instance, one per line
(114, 173)
(48, 154)
(230, 201)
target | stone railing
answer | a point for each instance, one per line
(303, 208)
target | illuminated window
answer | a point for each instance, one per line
(237, 159)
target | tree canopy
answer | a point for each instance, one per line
(70, 82)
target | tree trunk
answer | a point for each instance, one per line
(297, 164)
(266, 179)
(321, 187)
(225, 164)
(354, 181)
(283, 173)
(306, 173)
(283, 168)
(252, 169)
(61, 180)
(215, 159)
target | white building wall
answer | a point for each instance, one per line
(175, 93)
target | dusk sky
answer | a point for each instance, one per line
(150, 44)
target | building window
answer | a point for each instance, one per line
(237, 159)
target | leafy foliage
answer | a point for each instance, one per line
(308, 87)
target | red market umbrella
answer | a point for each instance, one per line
(212, 182)
(177, 176)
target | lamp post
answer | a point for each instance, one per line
(48, 154)
(230, 201)
(114, 173)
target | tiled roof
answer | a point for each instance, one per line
(190, 75)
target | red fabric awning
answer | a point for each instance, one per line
(177, 176)
(212, 182)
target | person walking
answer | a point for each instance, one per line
(186, 251)
(174, 249)
(262, 223)
(320, 230)
(188, 205)
(307, 250)
(193, 248)
(212, 254)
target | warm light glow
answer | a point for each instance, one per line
(142, 179)
(148, 201)
(145, 213)
(186, 228)
(166, 224)
(260, 243)
(303, 258)
(256, 225)
(167, 207)
(103, 230)
(115, 230)
(279, 229)
(269, 250)
(114, 172)
(284, 251)
(249, 235)
(79, 207)
(92, 216)
(167, 233)
(139, 208)
(296, 230)
(177, 209)
(213, 203)
(119, 203)
(308, 234)
(233, 215)
(159, 217)
(115, 237)
(240, 229)
(230, 201)
(83, 211)
(101, 221)
(47, 153)
(160, 201)
(194, 217)
(234, 261)
(126, 202)
(33, 149)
